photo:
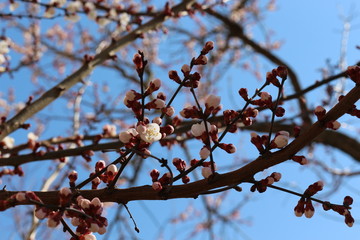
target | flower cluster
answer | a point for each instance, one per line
(262, 185)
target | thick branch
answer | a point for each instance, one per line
(192, 190)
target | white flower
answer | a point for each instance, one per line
(8, 142)
(4, 47)
(73, 7)
(32, 136)
(152, 133)
(198, 129)
(212, 101)
(124, 20)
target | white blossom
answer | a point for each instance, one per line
(212, 101)
(198, 129)
(4, 47)
(152, 133)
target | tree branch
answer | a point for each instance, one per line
(192, 190)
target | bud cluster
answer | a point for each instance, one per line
(192, 80)
(342, 209)
(305, 205)
(85, 215)
(262, 185)
(159, 183)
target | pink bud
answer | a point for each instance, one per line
(212, 101)
(170, 111)
(138, 61)
(204, 152)
(320, 112)
(185, 69)
(65, 192)
(157, 186)
(265, 96)
(206, 172)
(157, 120)
(85, 203)
(96, 202)
(20, 196)
(281, 141)
(159, 103)
(112, 169)
(154, 175)
(208, 47)
(201, 60)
